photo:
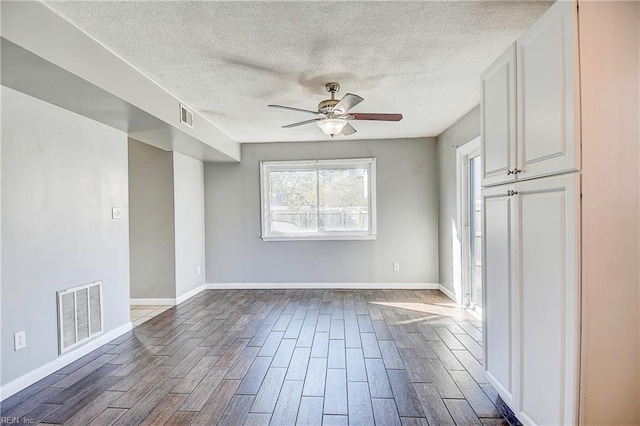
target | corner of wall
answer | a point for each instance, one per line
(459, 133)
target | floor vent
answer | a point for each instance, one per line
(186, 116)
(79, 315)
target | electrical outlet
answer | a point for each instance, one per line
(116, 213)
(19, 340)
(396, 266)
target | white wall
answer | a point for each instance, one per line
(166, 197)
(461, 132)
(152, 233)
(189, 223)
(105, 88)
(407, 219)
(61, 175)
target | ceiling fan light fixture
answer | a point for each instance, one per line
(332, 126)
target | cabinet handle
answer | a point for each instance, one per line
(511, 193)
(509, 172)
(516, 171)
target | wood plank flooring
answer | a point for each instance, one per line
(279, 357)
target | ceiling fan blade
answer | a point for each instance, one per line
(294, 109)
(378, 117)
(347, 102)
(348, 130)
(301, 123)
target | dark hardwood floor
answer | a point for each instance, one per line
(280, 357)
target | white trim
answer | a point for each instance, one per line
(267, 167)
(43, 371)
(190, 294)
(168, 301)
(144, 301)
(461, 278)
(373, 200)
(321, 237)
(450, 294)
(273, 286)
(345, 163)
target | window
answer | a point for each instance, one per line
(318, 200)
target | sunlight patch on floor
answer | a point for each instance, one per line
(143, 313)
(427, 308)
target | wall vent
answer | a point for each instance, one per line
(186, 116)
(79, 315)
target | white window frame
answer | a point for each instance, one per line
(463, 289)
(306, 165)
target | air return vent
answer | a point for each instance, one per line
(186, 116)
(79, 315)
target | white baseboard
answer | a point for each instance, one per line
(451, 295)
(190, 294)
(274, 286)
(167, 301)
(39, 373)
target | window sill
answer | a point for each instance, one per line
(320, 238)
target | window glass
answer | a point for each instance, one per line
(324, 199)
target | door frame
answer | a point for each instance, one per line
(463, 153)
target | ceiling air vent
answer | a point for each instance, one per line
(186, 116)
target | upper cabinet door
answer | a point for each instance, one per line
(498, 110)
(548, 94)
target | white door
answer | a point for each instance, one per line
(470, 218)
(548, 293)
(500, 258)
(498, 106)
(474, 233)
(548, 94)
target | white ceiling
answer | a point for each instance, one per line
(228, 60)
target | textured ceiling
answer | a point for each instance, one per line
(228, 60)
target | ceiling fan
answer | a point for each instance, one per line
(333, 113)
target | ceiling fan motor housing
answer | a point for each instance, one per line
(327, 105)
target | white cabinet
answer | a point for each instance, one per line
(531, 296)
(548, 223)
(530, 102)
(548, 94)
(561, 276)
(498, 126)
(498, 208)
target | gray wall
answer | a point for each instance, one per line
(461, 132)
(407, 219)
(61, 174)
(151, 235)
(189, 223)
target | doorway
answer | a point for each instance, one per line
(469, 176)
